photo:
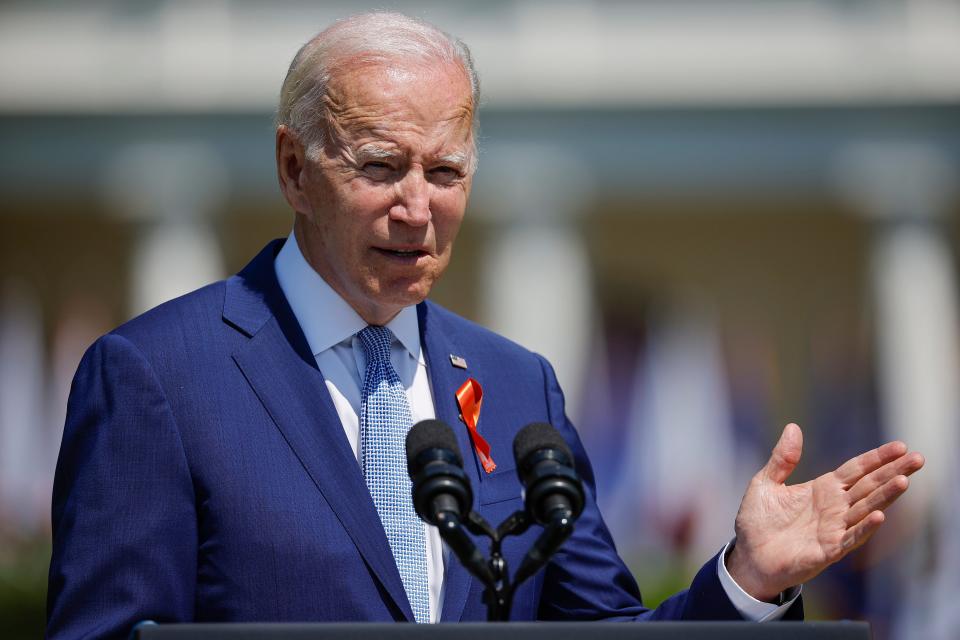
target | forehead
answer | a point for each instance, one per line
(401, 96)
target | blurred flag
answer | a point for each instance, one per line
(679, 488)
(24, 503)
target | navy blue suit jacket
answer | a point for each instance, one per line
(205, 476)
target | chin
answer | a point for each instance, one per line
(380, 295)
(409, 298)
(404, 296)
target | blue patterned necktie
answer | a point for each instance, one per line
(385, 419)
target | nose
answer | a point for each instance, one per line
(412, 205)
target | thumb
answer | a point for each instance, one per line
(786, 455)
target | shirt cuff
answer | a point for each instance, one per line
(748, 606)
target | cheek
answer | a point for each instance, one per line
(368, 196)
(448, 214)
(358, 210)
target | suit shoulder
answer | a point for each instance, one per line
(190, 316)
(480, 336)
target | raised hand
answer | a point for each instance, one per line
(786, 535)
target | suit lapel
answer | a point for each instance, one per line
(278, 365)
(445, 380)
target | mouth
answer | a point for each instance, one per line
(405, 255)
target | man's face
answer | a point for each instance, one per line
(387, 192)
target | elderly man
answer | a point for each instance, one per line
(236, 454)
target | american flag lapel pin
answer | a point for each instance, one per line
(458, 361)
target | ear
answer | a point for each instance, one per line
(291, 167)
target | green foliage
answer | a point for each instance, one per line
(660, 576)
(23, 588)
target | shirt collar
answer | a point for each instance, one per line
(325, 318)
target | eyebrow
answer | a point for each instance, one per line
(459, 158)
(375, 151)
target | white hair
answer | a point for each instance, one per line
(369, 37)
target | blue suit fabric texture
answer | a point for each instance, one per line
(205, 476)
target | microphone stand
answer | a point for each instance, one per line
(494, 574)
(441, 491)
(554, 535)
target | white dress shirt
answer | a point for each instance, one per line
(748, 606)
(330, 326)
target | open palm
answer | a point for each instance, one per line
(786, 535)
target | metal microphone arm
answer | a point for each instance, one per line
(455, 535)
(553, 536)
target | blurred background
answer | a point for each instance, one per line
(713, 216)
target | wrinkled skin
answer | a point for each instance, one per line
(379, 206)
(786, 535)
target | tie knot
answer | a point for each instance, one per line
(376, 343)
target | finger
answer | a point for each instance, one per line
(902, 466)
(881, 498)
(785, 455)
(861, 532)
(852, 470)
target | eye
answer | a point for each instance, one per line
(445, 174)
(377, 170)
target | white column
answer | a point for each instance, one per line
(170, 190)
(907, 191)
(537, 287)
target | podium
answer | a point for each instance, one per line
(512, 631)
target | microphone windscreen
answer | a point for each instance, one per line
(539, 435)
(431, 434)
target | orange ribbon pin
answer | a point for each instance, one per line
(469, 398)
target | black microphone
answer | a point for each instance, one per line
(553, 493)
(436, 469)
(441, 490)
(545, 465)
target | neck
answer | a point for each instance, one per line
(371, 314)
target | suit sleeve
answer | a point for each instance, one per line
(587, 580)
(124, 515)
